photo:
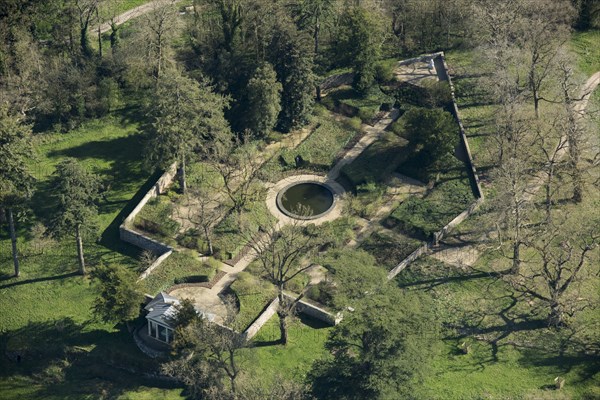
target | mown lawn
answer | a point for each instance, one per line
(270, 361)
(495, 368)
(46, 312)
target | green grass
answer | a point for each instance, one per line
(476, 299)
(174, 269)
(155, 218)
(109, 9)
(350, 102)
(421, 217)
(253, 294)
(389, 250)
(585, 45)
(378, 160)
(229, 238)
(270, 362)
(49, 302)
(319, 151)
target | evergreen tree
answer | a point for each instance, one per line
(183, 113)
(359, 39)
(264, 100)
(293, 61)
(118, 300)
(15, 179)
(76, 190)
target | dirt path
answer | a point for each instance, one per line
(127, 15)
(467, 255)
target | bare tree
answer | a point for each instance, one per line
(237, 163)
(564, 256)
(86, 10)
(280, 252)
(202, 211)
(161, 23)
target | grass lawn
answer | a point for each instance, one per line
(46, 312)
(389, 250)
(319, 151)
(270, 361)
(378, 160)
(253, 295)
(495, 368)
(179, 267)
(585, 45)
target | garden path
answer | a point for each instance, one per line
(400, 187)
(372, 134)
(130, 14)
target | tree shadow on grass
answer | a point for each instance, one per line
(71, 360)
(43, 279)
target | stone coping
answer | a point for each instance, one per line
(334, 212)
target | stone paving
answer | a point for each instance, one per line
(334, 212)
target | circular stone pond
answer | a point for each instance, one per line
(305, 200)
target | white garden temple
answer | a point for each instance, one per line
(161, 313)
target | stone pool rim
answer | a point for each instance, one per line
(290, 214)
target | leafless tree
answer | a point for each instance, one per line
(280, 252)
(564, 255)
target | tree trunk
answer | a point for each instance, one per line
(181, 173)
(282, 314)
(555, 319)
(208, 240)
(80, 250)
(114, 36)
(84, 42)
(13, 239)
(516, 262)
(282, 328)
(99, 35)
(316, 36)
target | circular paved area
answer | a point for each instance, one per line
(335, 187)
(205, 300)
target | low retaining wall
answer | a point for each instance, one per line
(261, 320)
(155, 264)
(131, 236)
(472, 172)
(315, 311)
(304, 307)
(142, 241)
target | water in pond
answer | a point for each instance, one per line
(308, 199)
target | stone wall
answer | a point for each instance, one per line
(155, 264)
(261, 320)
(443, 73)
(302, 306)
(315, 311)
(463, 137)
(129, 235)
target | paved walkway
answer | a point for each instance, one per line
(372, 134)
